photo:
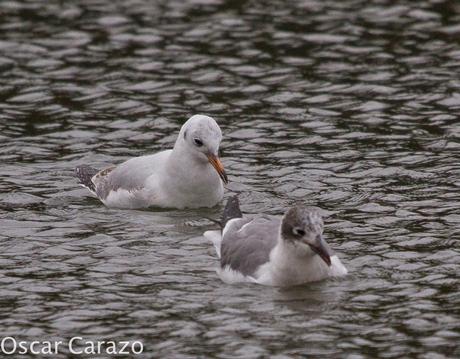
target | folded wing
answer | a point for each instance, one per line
(247, 243)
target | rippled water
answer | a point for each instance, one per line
(352, 106)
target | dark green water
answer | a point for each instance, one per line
(352, 106)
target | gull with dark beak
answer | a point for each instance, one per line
(277, 251)
(188, 176)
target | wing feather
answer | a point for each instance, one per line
(247, 243)
(130, 175)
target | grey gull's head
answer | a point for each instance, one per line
(303, 227)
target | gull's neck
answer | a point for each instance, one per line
(188, 172)
(283, 254)
(291, 264)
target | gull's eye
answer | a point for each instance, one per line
(198, 142)
(298, 232)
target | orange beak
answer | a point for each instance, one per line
(215, 162)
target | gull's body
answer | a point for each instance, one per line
(262, 249)
(190, 175)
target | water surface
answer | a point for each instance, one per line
(347, 105)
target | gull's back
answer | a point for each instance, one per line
(247, 243)
(130, 176)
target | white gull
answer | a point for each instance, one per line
(188, 176)
(274, 251)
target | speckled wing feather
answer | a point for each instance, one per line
(85, 173)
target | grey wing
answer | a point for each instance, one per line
(247, 244)
(130, 175)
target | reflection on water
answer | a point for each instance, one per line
(351, 106)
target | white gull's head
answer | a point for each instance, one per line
(302, 227)
(200, 136)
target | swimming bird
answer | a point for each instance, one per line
(274, 251)
(188, 176)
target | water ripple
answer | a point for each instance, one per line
(350, 106)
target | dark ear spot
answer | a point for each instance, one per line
(185, 134)
(286, 229)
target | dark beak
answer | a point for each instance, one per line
(215, 162)
(322, 249)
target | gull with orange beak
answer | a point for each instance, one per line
(190, 175)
